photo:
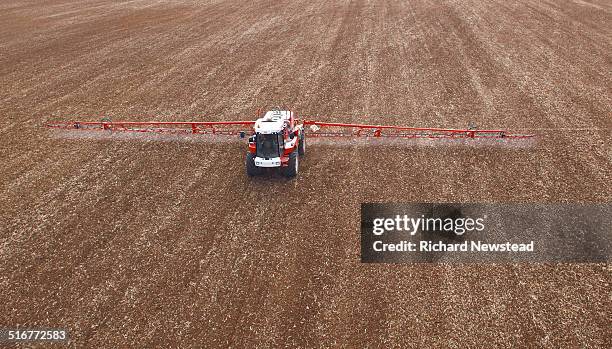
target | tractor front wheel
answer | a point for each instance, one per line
(251, 169)
(302, 144)
(292, 167)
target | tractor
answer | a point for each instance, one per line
(278, 142)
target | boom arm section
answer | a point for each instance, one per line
(176, 127)
(329, 129)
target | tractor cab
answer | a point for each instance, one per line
(271, 145)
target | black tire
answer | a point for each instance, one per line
(292, 167)
(251, 169)
(302, 144)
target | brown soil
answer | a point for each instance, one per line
(141, 242)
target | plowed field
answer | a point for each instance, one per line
(143, 241)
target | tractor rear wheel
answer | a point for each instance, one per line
(292, 167)
(302, 144)
(251, 169)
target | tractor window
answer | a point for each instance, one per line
(269, 145)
